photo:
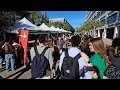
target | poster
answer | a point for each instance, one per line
(23, 39)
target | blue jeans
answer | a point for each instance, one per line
(9, 59)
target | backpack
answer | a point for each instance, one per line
(113, 70)
(70, 67)
(40, 64)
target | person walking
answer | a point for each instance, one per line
(74, 52)
(48, 56)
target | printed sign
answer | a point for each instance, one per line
(23, 39)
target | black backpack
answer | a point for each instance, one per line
(40, 64)
(70, 67)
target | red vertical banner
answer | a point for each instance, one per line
(23, 39)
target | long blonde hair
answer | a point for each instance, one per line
(99, 47)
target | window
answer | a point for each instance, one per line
(91, 14)
(119, 17)
(103, 21)
(97, 16)
(111, 13)
(109, 33)
(102, 18)
(112, 18)
(102, 12)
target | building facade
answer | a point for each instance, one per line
(110, 20)
(58, 20)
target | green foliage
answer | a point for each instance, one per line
(89, 25)
(63, 25)
(39, 18)
(36, 15)
(6, 21)
(43, 19)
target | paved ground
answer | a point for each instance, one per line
(21, 73)
(107, 42)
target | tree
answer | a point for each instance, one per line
(90, 25)
(6, 21)
(39, 18)
(36, 16)
(43, 19)
(63, 25)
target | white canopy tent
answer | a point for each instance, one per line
(62, 30)
(53, 29)
(59, 30)
(69, 31)
(65, 31)
(14, 31)
(44, 27)
(25, 24)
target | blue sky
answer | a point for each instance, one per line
(75, 18)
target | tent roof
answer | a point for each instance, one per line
(65, 30)
(52, 28)
(44, 27)
(25, 24)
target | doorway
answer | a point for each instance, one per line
(110, 33)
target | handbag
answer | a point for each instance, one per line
(112, 72)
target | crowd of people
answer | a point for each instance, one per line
(93, 61)
(66, 57)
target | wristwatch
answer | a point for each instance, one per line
(89, 62)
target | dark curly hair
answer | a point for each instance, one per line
(41, 39)
(116, 47)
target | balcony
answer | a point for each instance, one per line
(103, 21)
(112, 19)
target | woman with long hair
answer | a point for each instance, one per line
(84, 46)
(9, 56)
(56, 55)
(99, 61)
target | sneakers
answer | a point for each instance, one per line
(8, 70)
(13, 70)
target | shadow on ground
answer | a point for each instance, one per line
(22, 71)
